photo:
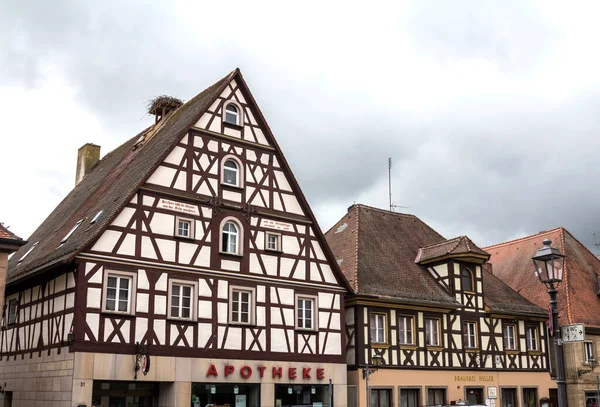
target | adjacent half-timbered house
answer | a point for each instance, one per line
(184, 269)
(444, 329)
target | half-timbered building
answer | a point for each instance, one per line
(184, 269)
(442, 328)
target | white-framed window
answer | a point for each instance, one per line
(184, 227)
(231, 236)
(13, 308)
(182, 299)
(406, 329)
(231, 172)
(432, 332)
(531, 338)
(469, 334)
(233, 114)
(378, 327)
(119, 292)
(241, 305)
(306, 312)
(273, 241)
(510, 335)
(588, 350)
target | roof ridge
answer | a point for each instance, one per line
(442, 242)
(522, 238)
(356, 249)
(359, 205)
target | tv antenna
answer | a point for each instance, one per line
(392, 206)
(596, 242)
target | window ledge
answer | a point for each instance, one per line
(379, 345)
(408, 347)
(118, 314)
(242, 324)
(511, 351)
(229, 186)
(471, 350)
(436, 348)
(273, 251)
(231, 254)
(534, 352)
(182, 320)
(232, 125)
(190, 238)
(307, 330)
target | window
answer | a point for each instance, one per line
(96, 217)
(509, 334)
(13, 305)
(590, 399)
(469, 334)
(230, 238)
(530, 397)
(273, 241)
(467, 280)
(119, 292)
(231, 173)
(182, 299)
(378, 328)
(436, 396)
(531, 337)
(405, 325)
(241, 305)
(432, 332)
(410, 397)
(588, 349)
(68, 235)
(232, 114)
(28, 251)
(184, 227)
(508, 397)
(306, 312)
(381, 398)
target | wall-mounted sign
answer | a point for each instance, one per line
(277, 225)
(573, 333)
(181, 207)
(246, 372)
(473, 378)
(492, 392)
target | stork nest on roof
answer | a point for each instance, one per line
(161, 104)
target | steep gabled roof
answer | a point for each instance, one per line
(9, 242)
(458, 247)
(577, 294)
(7, 234)
(376, 250)
(107, 188)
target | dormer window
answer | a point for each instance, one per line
(232, 114)
(466, 278)
(231, 173)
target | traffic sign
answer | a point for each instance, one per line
(573, 333)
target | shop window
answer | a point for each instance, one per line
(509, 334)
(406, 330)
(410, 397)
(432, 332)
(182, 299)
(306, 312)
(469, 334)
(530, 397)
(588, 349)
(381, 398)
(119, 292)
(378, 329)
(352, 396)
(532, 338)
(241, 305)
(508, 397)
(436, 396)
(293, 395)
(467, 280)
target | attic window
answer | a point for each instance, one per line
(96, 217)
(232, 114)
(28, 251)
(71, 231)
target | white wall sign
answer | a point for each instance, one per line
(573, 333)
(492, 392)
(178, 206)
(275, 224)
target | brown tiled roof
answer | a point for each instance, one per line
(108, 187)
(500, 298)
(461, 245)
(376, 250)
(7, 234)
(577, 299)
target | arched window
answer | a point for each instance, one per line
(232, 114)
(231, 173)
(230, 238)
(467, 280)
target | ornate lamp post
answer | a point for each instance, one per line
(549, 265)
(368, 371)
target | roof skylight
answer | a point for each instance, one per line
(96, 217)
(28, 251)
(71, 231)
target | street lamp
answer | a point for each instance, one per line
(368, 371)
(549, 265)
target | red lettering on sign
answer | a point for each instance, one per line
(229, 370)
(246, 372)
(276, 372)
(261, 370)
(292, 373)
(306, 373)
(212, 371)
(320, 373)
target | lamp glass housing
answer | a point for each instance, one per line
(377, 359)
(549, 264)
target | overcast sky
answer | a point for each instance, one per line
(490, 111)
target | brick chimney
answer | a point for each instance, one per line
(88, 156)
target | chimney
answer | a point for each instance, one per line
(87, 157)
